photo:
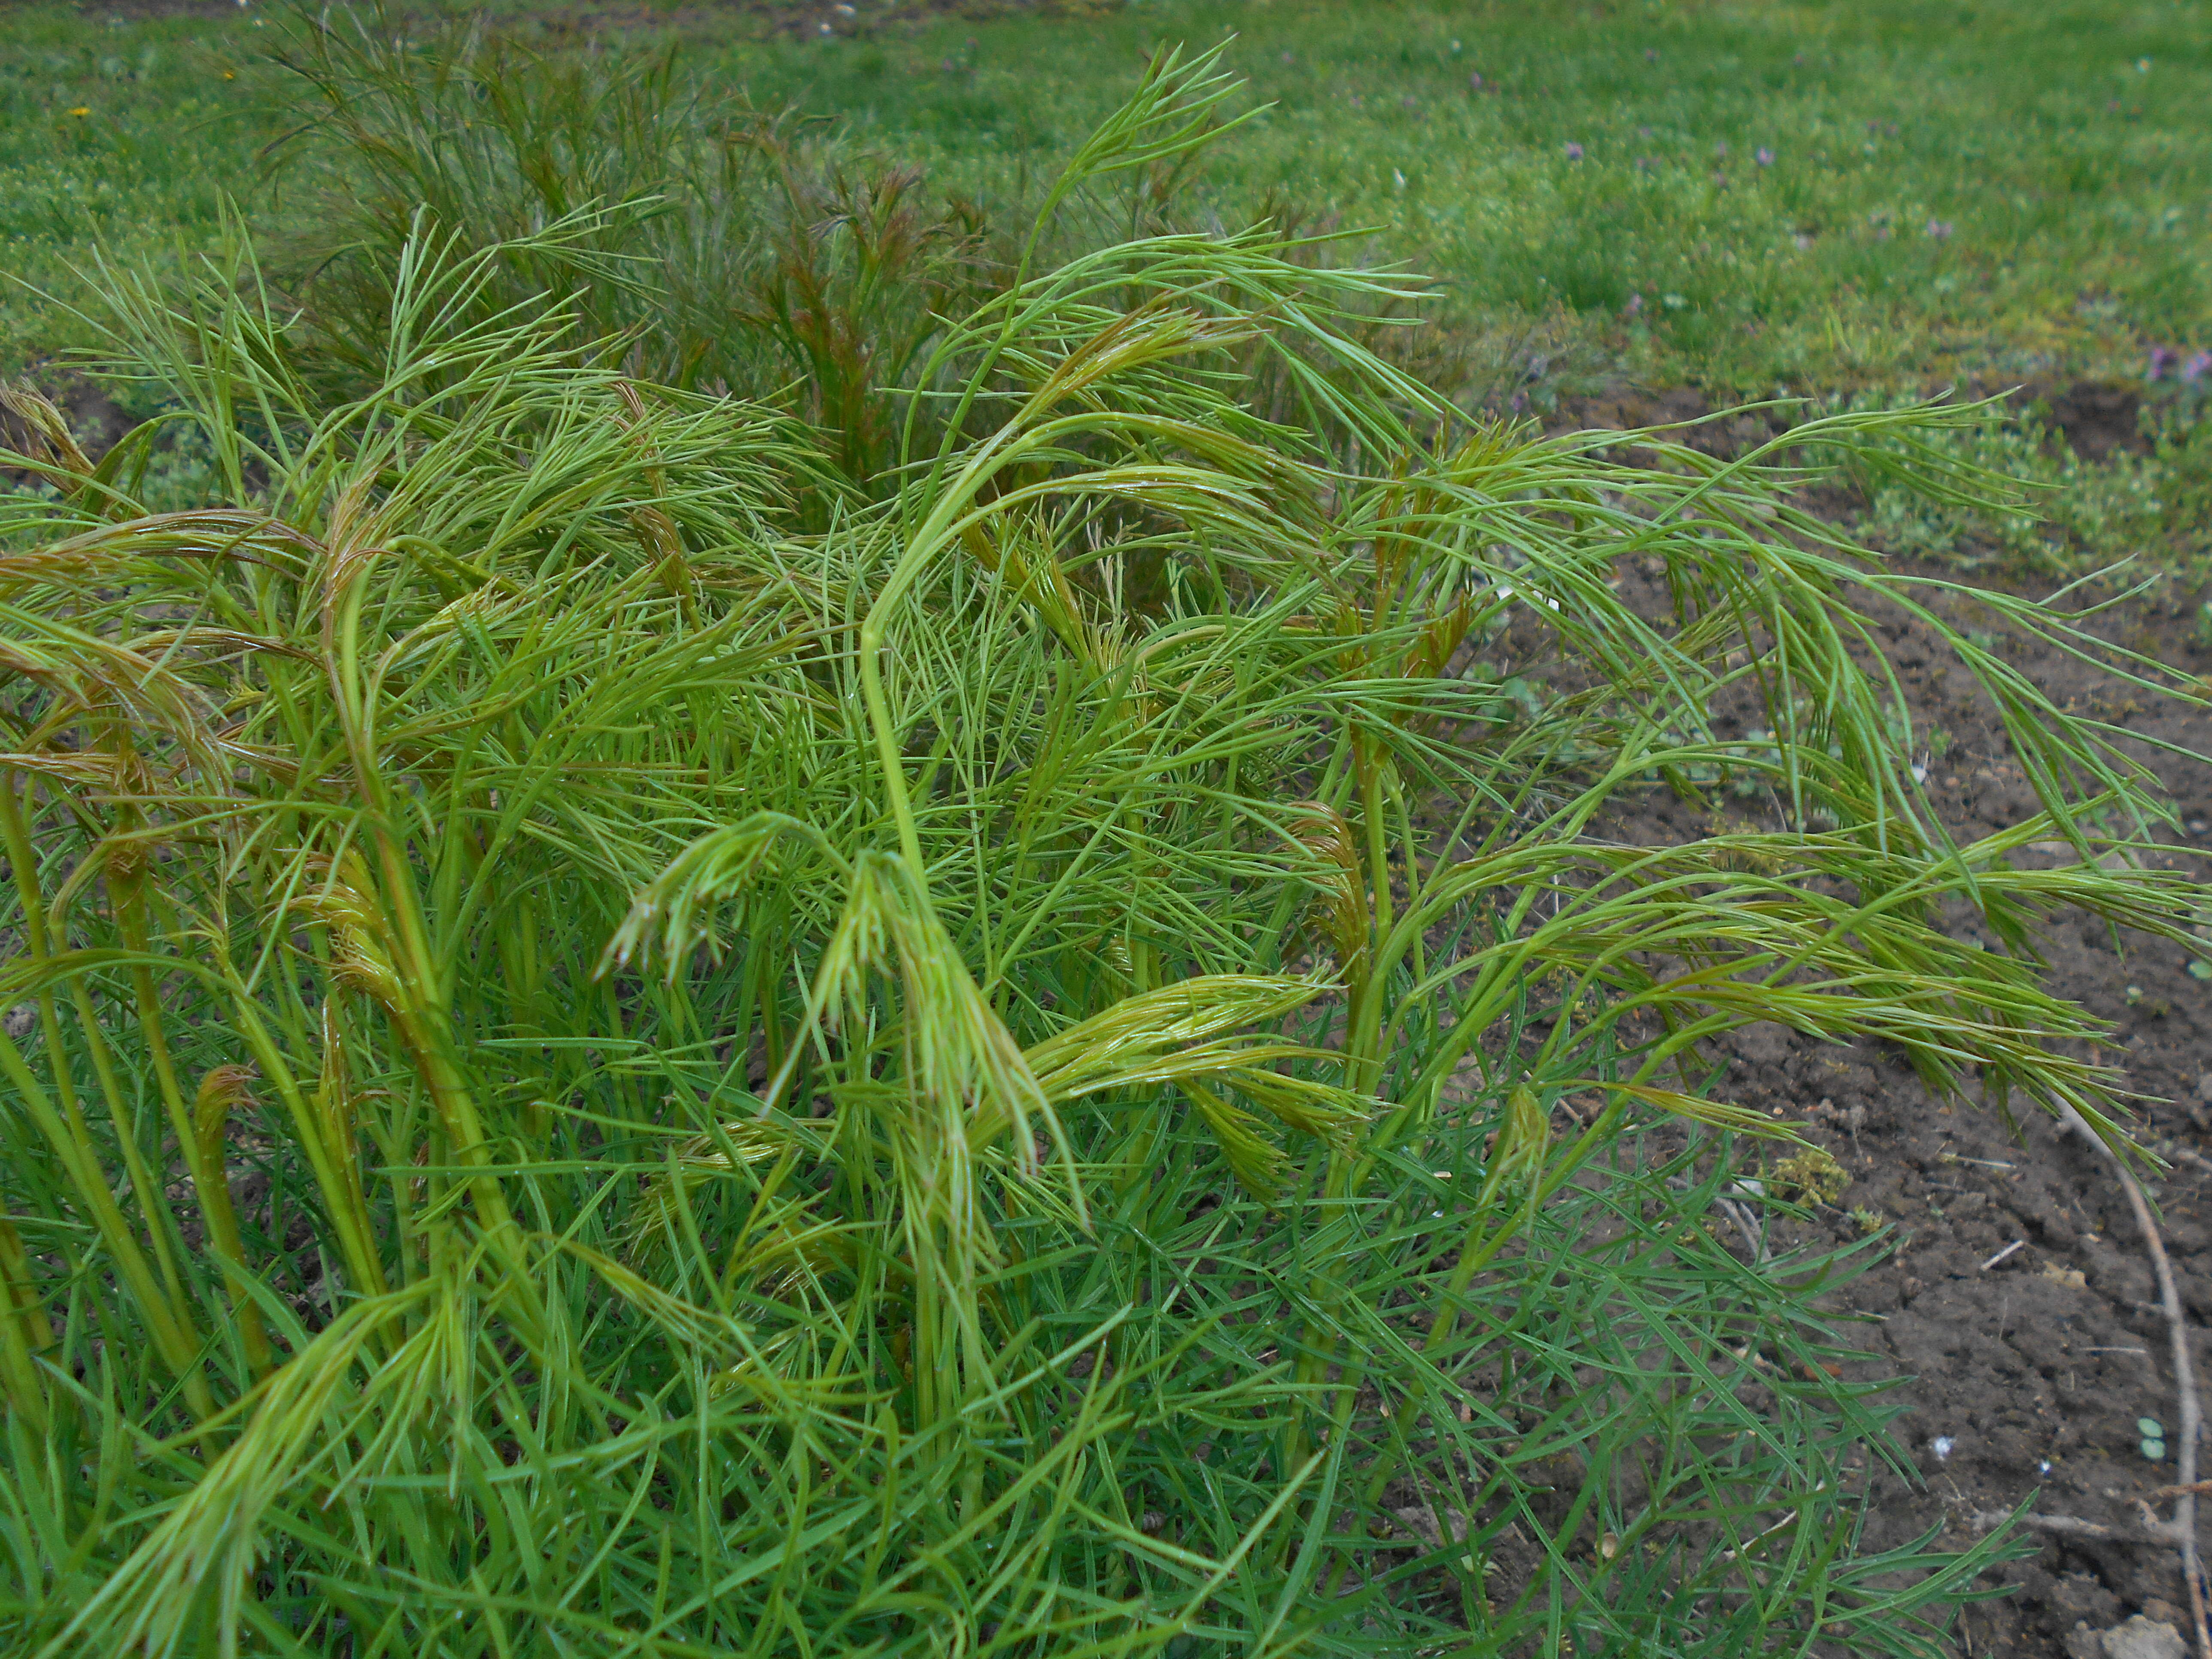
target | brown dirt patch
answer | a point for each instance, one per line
(2026, 1380)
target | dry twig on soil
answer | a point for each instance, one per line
(2154, 1531)
(2182, 1530)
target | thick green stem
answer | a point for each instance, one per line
(203, 1163)
(331, 1167)
(24, 1330)
(80, 1161)
(164, 1305)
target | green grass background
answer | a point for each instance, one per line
(2072, 178)
(1970, 194)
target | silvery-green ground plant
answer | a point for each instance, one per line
(602, 1065)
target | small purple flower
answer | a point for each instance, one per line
(1635, 305)
(1574, 152)
(2162, 358)
(1939, 229)
(1475, 81)
(2198, 368)
(1764, 157)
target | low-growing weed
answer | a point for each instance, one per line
(2057, 514)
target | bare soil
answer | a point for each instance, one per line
(2029, 1376)
(2025, 1378)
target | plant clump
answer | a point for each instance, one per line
(1811, 1176)
(654, 1023)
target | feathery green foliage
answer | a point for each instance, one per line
(735, 249)
(635, 1035)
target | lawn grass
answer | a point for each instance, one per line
(1994, 192)
(1845, 201)
(121, 135)
(1989, 194)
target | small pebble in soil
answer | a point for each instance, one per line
(2139, 1638)
(1940, 1445)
